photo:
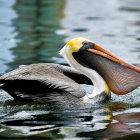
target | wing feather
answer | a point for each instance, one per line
(41, 80)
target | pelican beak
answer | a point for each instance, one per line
(120, 76)
(102, 52)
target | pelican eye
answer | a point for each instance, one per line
(87, 45)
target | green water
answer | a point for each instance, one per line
(34, 31)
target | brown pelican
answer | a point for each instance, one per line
(90, 64)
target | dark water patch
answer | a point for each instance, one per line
(94, 18)
(109, 35)
(129, 9)
(80, 30)
(136, 50)
(130, 6)
(130, 35)
(138, 38)
(137, 23)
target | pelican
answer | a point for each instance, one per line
(90, 64)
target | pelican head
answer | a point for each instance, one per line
(106, 71)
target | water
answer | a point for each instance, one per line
(34, 31)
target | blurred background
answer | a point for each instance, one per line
(33, 31)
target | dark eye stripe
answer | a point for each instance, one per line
(85, 43)
(87, 46)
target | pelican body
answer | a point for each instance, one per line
(44, 82)
(90, 64)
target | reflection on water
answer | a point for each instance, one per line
(36, 27)
(40, 30)
(39, 121)
(55, 124)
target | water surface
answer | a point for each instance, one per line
(34, 31)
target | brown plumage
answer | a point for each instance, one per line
(44, 82)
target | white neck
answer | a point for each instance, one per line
(97, 80)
